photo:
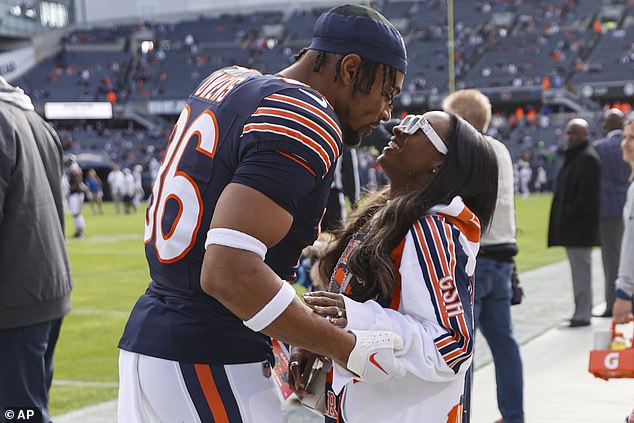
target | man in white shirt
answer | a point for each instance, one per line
(115, 181)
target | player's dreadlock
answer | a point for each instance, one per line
(318, 61)
(364, 79)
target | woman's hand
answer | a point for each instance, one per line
(329, 305)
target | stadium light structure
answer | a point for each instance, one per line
(450, 47)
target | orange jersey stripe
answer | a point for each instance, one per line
(298, 161)
(296, 117)
(396, 255)
(461, 319)
(432, 274)
(444, 342)
(440, 248)
(461, 337)
(462, 222)
(296, 135)
(455, 415)
(307, 106)
(210, 391)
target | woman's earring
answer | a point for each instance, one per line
(434, 170)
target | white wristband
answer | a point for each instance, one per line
(235, 239)
(273, 309)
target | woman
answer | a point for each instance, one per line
(406, 264)
(622, 310)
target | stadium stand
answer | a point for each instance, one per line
(548, 50)
(546, 39)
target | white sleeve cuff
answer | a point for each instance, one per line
(359, 315)
(340, 377)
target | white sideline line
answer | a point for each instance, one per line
(104, 412)
(100, 313)
(82, 383)
(100, 239)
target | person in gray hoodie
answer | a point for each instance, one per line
(35, 280)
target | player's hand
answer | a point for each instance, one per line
(372, 357)
(299, 367)
(622, 311)
(329, 305)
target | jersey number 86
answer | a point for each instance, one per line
(172, 183)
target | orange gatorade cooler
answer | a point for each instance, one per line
(614, 358)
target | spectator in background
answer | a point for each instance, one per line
(139, 193)
(519, 116)
(574, 215)
(494, 266)
(541, 179)
(524, 174)
(129, 191)
(189, 41)
(65, 185)
(531, 116)
(116, 181)
(154, 167)
(615, 173)
(77, 195)
(625, 281)
(35, 281)
(95, 191)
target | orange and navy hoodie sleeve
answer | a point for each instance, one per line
(434, 311)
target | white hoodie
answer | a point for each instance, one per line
(14, 95)
(431, 310)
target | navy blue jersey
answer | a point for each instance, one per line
(272, 134)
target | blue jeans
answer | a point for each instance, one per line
(26, 366)
(492, 314)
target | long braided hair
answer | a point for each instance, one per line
(469, 170)
(364, 79)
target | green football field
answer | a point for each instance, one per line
(110, 272)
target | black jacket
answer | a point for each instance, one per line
(574, 215)
(35, 279)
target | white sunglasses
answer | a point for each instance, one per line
(412, 123)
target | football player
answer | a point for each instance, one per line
(240, 193)
(77, 194)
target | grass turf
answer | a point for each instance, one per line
(110, 272)
(532, 233)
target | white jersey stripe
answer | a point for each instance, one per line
(309, 108)
(303, 121)
(291, 134)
